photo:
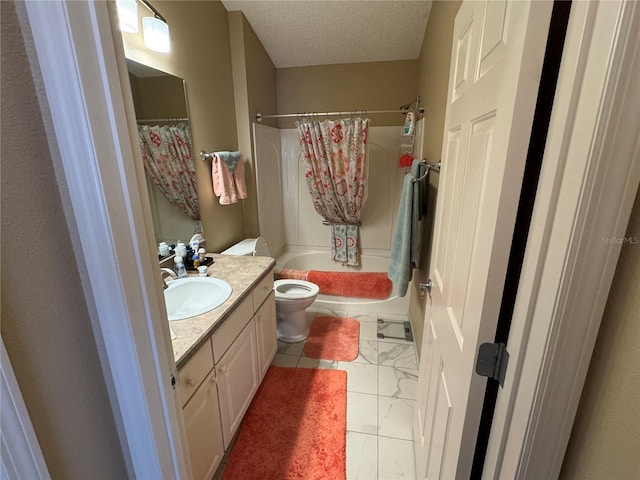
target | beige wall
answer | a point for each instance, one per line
(45, 319)
(350, 86)
(201, 55)
(254, 79)
(605, 441)
(433, 80)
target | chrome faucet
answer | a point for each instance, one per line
(163, 273)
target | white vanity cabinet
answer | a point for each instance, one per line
(219, 381)
(203, 430)
(238, 380)
(243, 349)
(265, 320)
(201, 413)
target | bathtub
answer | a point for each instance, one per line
(316, 259)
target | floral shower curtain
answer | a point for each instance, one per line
(167, 156)
(335, 160)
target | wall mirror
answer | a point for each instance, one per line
(164, 133)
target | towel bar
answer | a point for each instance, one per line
(429, 166)
(206, 156)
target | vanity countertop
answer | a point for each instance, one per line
(242, 273)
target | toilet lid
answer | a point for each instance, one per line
(261, 248)
(287, 289)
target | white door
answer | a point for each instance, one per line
(497, 53)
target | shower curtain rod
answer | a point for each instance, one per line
(152, 120)
(260, 116)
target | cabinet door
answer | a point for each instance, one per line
(238, 380)
(266, 333)
(203, 430)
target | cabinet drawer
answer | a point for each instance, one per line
(194, 372)
(262, 290)
(231, 328)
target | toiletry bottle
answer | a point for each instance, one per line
(181, 250)
(164, 249)
(179, 267)
(409, 124)
(196, 260)
(201, 254)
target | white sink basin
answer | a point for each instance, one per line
(188, 297)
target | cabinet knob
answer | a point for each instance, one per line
(222, 369)
(190, 382)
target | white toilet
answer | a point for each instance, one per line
(292, 296)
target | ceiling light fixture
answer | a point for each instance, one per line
(128, 15)
(155, 31)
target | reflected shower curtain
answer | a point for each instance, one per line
(168, 159)
(335, 160)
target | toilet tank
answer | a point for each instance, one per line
(250, 247)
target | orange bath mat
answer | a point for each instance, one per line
(333, 338)
(374, 285)
(295, 428)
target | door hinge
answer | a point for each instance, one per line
(492, 361)
(174, 379)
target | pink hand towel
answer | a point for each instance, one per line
(228, 186)
(238, 178)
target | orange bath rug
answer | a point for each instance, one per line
(333, 338)
(293, 274)
(374, 285)
(295, 428)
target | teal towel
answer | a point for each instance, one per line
(400, 263)
(405, 249)
(230, 158)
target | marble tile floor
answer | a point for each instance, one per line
(381, 387)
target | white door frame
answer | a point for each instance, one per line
(84, 74)
(88, 112)
(20, 456)
(588, 184)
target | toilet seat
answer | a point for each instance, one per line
(290, 289)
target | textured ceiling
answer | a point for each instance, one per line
(299, 33)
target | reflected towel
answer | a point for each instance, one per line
(231, 159)
(227, 185)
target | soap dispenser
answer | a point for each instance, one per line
(181, 250)
(179, 267)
